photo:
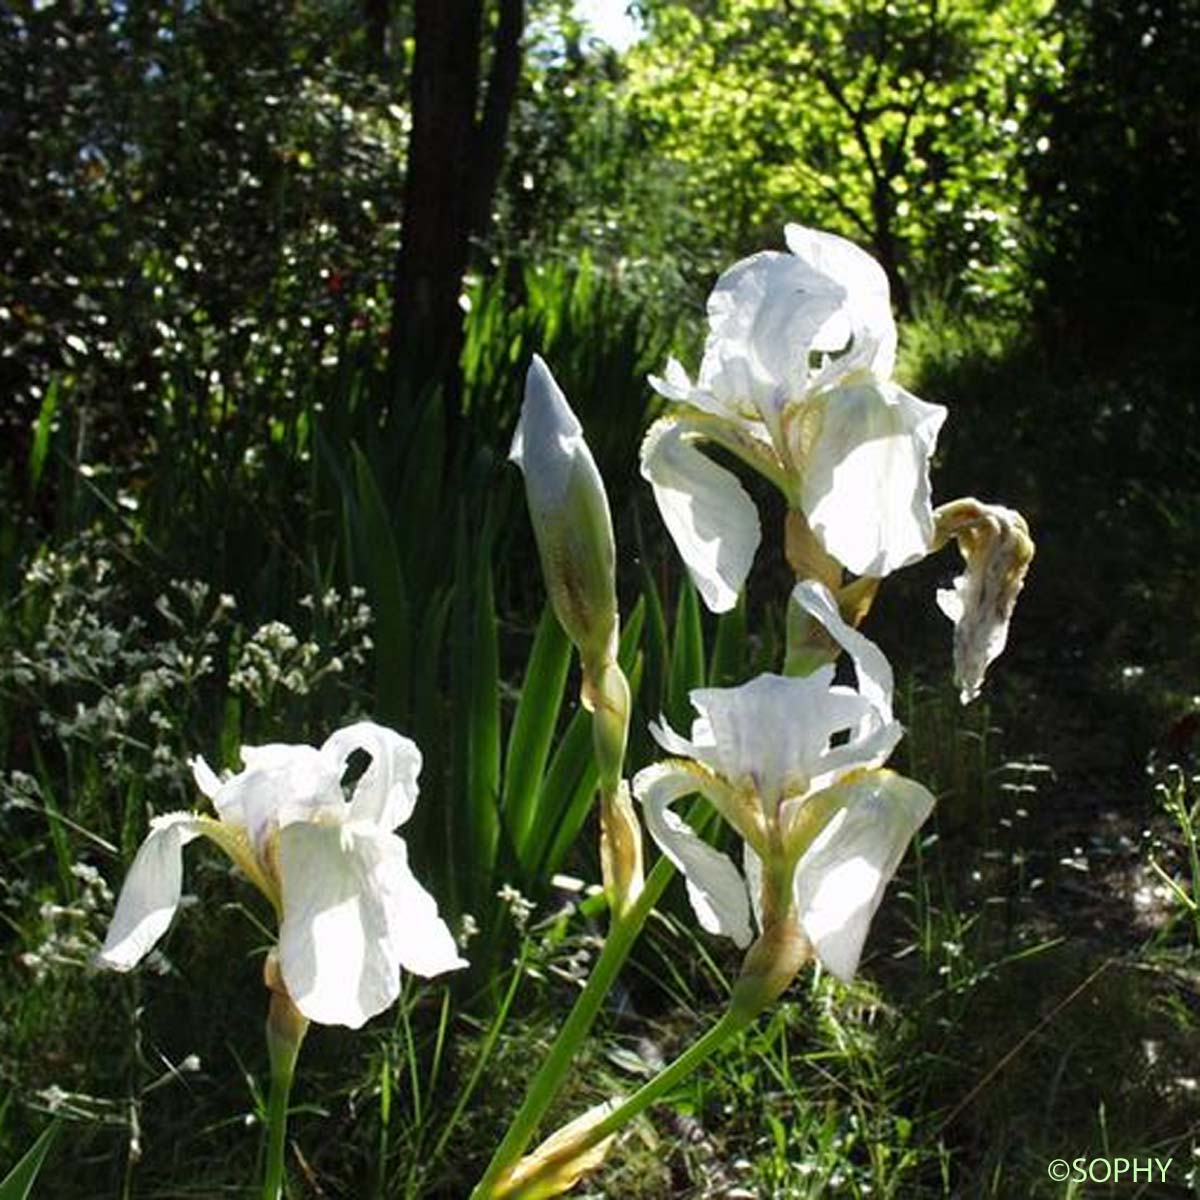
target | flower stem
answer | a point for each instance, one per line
(544, 1087)
(285, 1031)
(730, 1024)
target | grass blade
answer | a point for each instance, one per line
(40, 446)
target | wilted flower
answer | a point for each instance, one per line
(997, 549)
(350, 911)
(796, 382)
(794, 765)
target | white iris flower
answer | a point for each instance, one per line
(350, 911)
(794, 765)
(796, 382)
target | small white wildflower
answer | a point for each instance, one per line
(520, 908)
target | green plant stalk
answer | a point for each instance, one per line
(285, 1032)
(732, 1022)
(546, 1083)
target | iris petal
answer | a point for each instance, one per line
(715, 887)
(708, 514)
(150, 893)
(351, 916)
(842, 876)
(866, 492)
(386, 792)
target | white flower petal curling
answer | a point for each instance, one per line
(150, 894)
(771, 733)
(766, 314)
(865, 490)
(714, 885)
(997, 548)
(876, 681)
(712, 521)
(842, 876)
(205, 777)
(422, 940)
(386, 792)
(866, 307)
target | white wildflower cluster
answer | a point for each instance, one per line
(71, 933)
(121, 684)
(99, 676)
(520, 907)
(275, 659)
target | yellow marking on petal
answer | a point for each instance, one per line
(238, 847)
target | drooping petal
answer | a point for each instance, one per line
(715, 887)
(282, 783)
(386, 792)
(865, 307)
(150, 893)
(423, 941)
(710, 518)
(865, 491)
(351, 915)
(842, 876)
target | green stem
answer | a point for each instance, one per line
(285, 1031)
(731, 1024)
(544, 1087)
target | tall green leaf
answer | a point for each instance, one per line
(389, 598)
(730, 662)
(18, 1183)
(533, 728)
(687, 656)
(39, 447)
(476, 717)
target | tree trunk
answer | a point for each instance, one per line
(454, 157)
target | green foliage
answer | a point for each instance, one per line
(582, 177)
(203, 203)
(901, 125)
